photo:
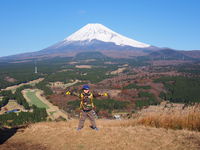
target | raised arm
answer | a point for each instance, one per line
(99, 94)
(73, 93)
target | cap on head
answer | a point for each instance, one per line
(86, 87)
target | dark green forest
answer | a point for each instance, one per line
(193, 69)
(134, 86)
(181, 89)
(7, 95)
(146, 99)
(23, 72)
(22, 118)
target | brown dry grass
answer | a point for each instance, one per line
(84, 66)
(174, 117)
(113, 135)
(10, 79)
(190, 121)
(119, 70)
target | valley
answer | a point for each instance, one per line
(139, 93)
(137, 83)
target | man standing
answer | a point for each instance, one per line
(87, 107)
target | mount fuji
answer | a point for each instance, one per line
(99, 32)
(97, 37)
(93, 37)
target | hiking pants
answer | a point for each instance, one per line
(84, 115)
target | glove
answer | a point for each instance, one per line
(68, 93)
(105, 94)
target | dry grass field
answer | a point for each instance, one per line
(113, 135)
(171, 115)
(84, 66)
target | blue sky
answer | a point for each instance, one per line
(31, 25)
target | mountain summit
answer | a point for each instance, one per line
(100, 32)
(97, 37)
(92, 37)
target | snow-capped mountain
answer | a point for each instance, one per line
(97, 37)
(93, 37)
(100, 32)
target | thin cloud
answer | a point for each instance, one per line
(82, 12)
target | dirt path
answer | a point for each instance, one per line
(70, 84)
(14, 87)
(113, 135)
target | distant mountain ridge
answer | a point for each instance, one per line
(169, 54)
(98, 38)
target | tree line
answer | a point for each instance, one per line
(135, 86)
(15, 119)
(180, 89)
(146, 99)
(34, 114)
(18, 96)
(6, 96)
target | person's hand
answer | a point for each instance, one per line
(68, 93)
(105, 94)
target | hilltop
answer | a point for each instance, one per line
(113, 134)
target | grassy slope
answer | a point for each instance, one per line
(34, 100)
(113, 135)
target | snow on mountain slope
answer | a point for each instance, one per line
(92, 37)
(100, 32)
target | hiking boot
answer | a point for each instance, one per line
(94, 128)
(97, 129)
(78, 129)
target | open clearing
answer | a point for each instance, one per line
(62, 85)
(34, 100)
(113, 135)
(84, 66)
(119, 70)
(12, 104)
(34, 96)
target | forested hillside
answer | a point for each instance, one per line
(181, 89)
